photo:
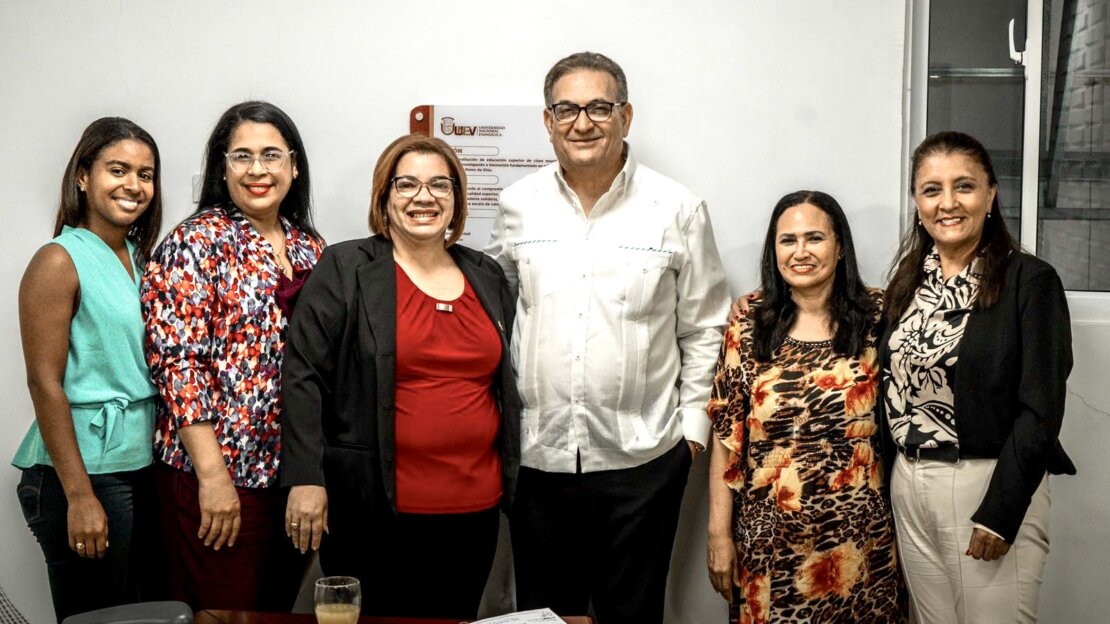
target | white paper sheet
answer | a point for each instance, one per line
(523, 617)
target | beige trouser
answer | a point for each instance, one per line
(933, 502)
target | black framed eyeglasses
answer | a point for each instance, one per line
(408, 186)
(271, 160)
(597, 111)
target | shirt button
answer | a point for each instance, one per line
(577, 358)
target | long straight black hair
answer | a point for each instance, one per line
(297, 205)
(995, 249)
(850, 304)
(73, 208)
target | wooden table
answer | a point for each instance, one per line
(212, 616)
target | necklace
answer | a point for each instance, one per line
(280, 259)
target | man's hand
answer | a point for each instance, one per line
(695, 448)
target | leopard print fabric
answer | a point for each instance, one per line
(813, 531)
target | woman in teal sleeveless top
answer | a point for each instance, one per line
(86, 488)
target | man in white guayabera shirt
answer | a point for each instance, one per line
(621, 303)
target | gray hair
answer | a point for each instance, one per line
(585, 60)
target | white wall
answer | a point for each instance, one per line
(743, 101)
(1075, 587)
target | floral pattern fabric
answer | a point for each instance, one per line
(813, 531)
(216, 339)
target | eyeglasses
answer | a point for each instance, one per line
(408, 186)
(598, 111)
(272, 161)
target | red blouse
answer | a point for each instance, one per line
(447, 415)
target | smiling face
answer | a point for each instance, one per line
(422, 219)
(583, 145)
(806, 248)
(119, 185)
(257, 193)
(953, 196)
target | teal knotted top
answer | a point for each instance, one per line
(106, 379)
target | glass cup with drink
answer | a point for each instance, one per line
(338, 600)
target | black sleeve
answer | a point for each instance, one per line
(1046, 361)
(508, 301)
(308, 372)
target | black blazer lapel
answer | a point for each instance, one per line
(486, 287)
(486, 282)
(377, 290)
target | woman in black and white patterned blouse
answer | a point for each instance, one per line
(976, 358)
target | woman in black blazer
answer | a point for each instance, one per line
(400, 428)
(976, 355)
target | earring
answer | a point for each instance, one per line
(81, 187)
(988, 215)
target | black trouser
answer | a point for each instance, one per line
(416, 565)
(130, 570)
(604, 537)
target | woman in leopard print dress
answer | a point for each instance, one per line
(799, 529)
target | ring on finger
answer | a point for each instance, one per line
(294, 525)
(80, 546)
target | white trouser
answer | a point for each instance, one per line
(933, 502)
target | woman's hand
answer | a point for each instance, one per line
(219, 510)
(724, 573)
(219, 502)
(985, 546)
(306, 516)
(741, 306)
(724, 569)
(87, 525)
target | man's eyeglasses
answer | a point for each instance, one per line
(272, 161)
(408, 186)
(598, 111)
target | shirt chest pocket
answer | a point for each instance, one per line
(624, 278)
(635, 278)
(541, 269)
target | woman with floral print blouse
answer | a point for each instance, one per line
(799, 529)
(216, 298)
